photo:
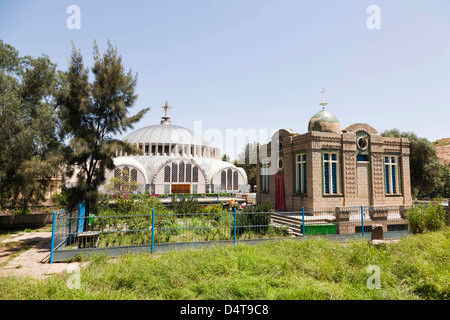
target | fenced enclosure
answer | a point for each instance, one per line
(158, 230)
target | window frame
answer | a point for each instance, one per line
(301, 175)
(333, 181)
(392, 187)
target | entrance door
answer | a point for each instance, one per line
(279, 192)
(362, 174)
(181, 188)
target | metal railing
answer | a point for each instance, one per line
(150, 230)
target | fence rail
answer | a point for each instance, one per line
(75, 233)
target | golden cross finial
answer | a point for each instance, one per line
(166, 107)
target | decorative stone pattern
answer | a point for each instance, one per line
(350, 174)
(377, 175)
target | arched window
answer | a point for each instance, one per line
(174, 172)
(133, 175)
(126, 174)
(235, 180)
(117, 182)
(133, 179)
(223, 180)
(195, 174)
(181, 171)
(229, 180)
(166, 174)
(188, 172)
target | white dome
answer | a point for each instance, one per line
(165, 133)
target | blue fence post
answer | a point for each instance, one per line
(53, 237)
(303, 223)
(81, 216)
(153, 229)
(362, 220)
(217, 199)
(235, 226)
(70, 228)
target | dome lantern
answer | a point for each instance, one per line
(324, 121)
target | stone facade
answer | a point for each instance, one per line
(361, 167)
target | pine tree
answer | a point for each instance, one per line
(91, 114)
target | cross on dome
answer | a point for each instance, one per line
(323, 103)
(166, 107)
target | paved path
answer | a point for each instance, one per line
(33, 262)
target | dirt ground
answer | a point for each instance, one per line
(32, 250)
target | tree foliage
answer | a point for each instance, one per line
(425, 167)
(91, 114)
(247, 161)
(29, 145)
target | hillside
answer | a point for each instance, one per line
(443, 150)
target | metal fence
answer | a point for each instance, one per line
(152, 231)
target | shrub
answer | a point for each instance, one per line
(150, 203)
(185, 205)
(254, 218)
(429, 217)
(21, 211)
(263, 207)
(125, 205)
(215, 208)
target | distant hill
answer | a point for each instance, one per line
(443, 150)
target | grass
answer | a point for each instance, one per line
(417, 267)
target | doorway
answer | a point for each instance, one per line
(181, 188)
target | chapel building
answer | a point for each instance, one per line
(327, 167)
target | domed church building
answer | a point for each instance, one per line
(327, 167)
(176, 160)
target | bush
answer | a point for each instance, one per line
(185, 205)
(429, 217)
(125, 205)
(22, 211)
(215, 208)
(263, 207)
(254, 219)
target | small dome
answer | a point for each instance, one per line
(165, 133)
(324, 121)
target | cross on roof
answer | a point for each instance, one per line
(166, 107)
(323, 103)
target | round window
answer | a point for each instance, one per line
(363, 143)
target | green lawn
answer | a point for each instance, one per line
(417, 267)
